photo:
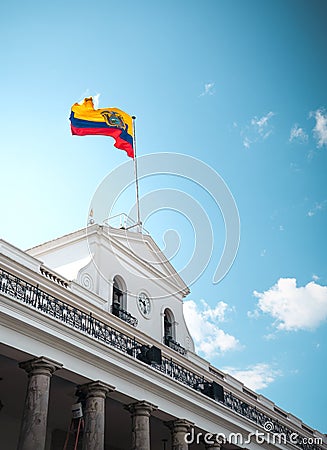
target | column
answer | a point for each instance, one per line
(140, 412)
(34, 423)
(179, 428)
(94, 414)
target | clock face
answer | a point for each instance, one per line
(144, 304)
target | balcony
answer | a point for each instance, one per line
(123, 315)
(169, 341)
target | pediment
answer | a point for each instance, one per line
(144, 254)
(138, 251)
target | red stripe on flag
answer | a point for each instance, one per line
(113, 132)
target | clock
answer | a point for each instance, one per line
(144, 304)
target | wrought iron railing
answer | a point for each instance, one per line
(39, 300)
(124, 315)
(268, 423)
(170, 342)
(124, 222)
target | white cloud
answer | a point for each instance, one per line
(311, 154)
(253, 314)
(317, 207)
(298, 134)
(247, 142)
(209, 89)
(257, 130)
(262, 123)
(203, 324)
(255, 377)
(217, 313)
(270, 337)
(320, 129)
(294, 308)
(96, 100)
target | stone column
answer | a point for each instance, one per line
(179, 428)
(34, 423)
(140, 412)
(94, 414)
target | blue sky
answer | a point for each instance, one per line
(239, 85)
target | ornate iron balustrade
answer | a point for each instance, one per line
(38, 299)
(169, 341)
(124, 315)
(269, 424)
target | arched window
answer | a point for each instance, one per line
(118, 295)
(119, 301)
(169, 326)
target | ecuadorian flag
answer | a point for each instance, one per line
(107, 121)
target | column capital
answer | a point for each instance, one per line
(40, 366)
(140, 413)
(34, 422)
(96, 389)
(179, 425)
(141, 408)
(94, 394)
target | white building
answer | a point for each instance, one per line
(97, 317)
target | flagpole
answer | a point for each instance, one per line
(139, 223)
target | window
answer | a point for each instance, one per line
(169, 331)
(119, 301)
(118, 295)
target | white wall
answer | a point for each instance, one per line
(94, 260)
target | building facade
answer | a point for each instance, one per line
(95, 354)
